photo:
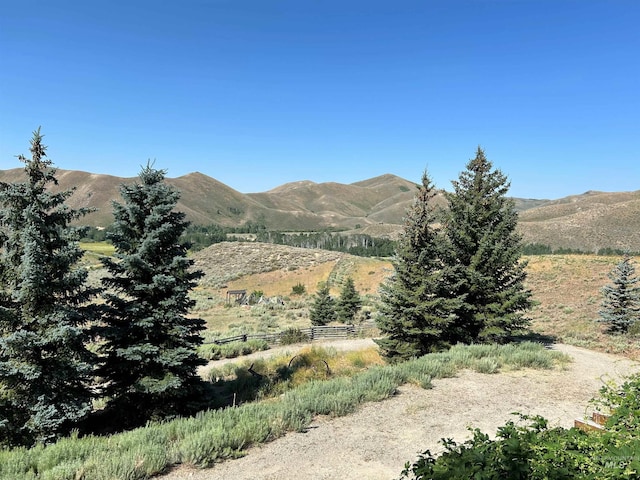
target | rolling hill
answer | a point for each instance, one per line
(376, 206)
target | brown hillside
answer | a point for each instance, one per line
(587, 222)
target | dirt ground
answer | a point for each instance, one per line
(375, 442)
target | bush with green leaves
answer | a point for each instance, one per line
(293, 335)
(298, 289)
(535, 451)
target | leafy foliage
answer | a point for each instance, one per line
(535, 451)
(149, 344)
(45, 368)
(621, 303)
(298, 289)
(356, 244)
(293, 335)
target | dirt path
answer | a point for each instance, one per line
(376, 441)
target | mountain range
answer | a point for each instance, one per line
(588, 221)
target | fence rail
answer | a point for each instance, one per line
(312, 333)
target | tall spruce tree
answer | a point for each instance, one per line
(621, 302)
(323, 310)
(486, 254)
(418, 300)
(45, 367)
(348, 302)
(149, 342)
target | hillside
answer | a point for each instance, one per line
(587, 222)
(376, 206)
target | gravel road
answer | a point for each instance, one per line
(375, 442)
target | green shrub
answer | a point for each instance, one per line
(293, 335)
(487, 365)
(212, 351)
(298, 289)
(535, 451)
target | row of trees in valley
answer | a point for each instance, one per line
(61, 348)
(359, 244)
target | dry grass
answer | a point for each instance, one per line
(567, 289)
(274, 270)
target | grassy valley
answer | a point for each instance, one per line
(566, 289)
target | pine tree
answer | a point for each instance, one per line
(323, 309)
(418, 300)
(149, 350)
(45, 367)
(621, 303)
(486, 254)
(348, 302)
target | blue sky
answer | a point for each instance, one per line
(257, 93)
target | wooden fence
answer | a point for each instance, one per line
(312, 333)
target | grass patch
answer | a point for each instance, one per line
(216, 435)
(212, 351)
(98, 248)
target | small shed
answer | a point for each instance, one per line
(237, 295)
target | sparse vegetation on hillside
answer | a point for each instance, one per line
(589, 222)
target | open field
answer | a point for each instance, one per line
(566, 289)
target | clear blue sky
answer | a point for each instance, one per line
(257, 93)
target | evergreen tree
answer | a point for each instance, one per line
(418, 300)
(149, 350)
(349, 302)
(323, 309)
(621, 303)
(486, 254)
(45, 368)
